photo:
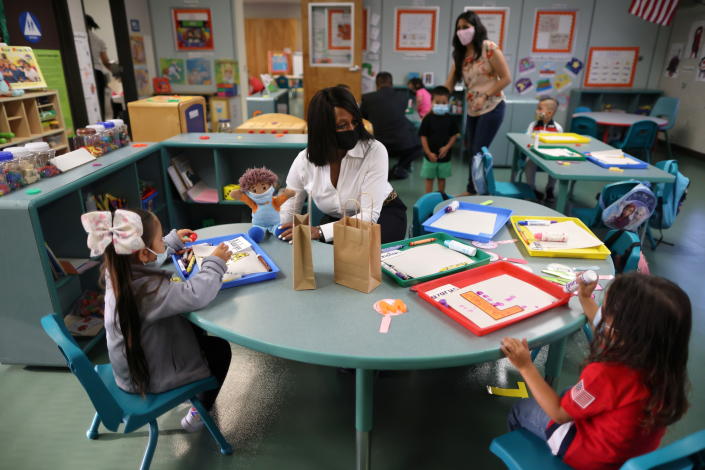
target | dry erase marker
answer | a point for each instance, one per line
(487, 202)
(536, 222)
(396, 272)
(190, 266)
(421, 242)
(392, 248)
(181, 265)
(264, 263)
(461, 247)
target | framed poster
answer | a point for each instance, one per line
(198, 71)
(137, 47)
(226, 71)
(554, 31)
(19, 68)
(279, 63)
(193, 29)
(339, 29)
(611, 66)
(174, 69)
(415, 29)
(495, 20)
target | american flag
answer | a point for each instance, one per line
(656, 11)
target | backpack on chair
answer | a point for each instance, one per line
(670, 197)
(631, 210)
(626, 251)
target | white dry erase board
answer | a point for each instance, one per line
(424, 260)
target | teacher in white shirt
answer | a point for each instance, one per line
(342, 162)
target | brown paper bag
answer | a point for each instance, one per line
(304, 278)
(357, 261)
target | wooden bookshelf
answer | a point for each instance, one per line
(21, 116)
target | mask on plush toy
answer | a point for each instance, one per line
(262, 198)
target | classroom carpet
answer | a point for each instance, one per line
(280, 414)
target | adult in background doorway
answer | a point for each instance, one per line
(386, 110)
(481, 65)
(101, 63)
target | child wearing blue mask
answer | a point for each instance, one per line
(152, 347)
(438, 131)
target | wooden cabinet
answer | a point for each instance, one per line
(32, 117)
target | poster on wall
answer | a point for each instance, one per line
(415, 29)
(339, 29)
(137, 49)
(673, 60)
(49, 62)
(611, 66)
(19, 68)
(495, 20)
(554, 32)
(696, 39)
(173, 69)
(198, 71)
(279, 63)
(142, 81)
(193, 29)
(85, 67)
(226, 71)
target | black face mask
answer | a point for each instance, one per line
(347, 139)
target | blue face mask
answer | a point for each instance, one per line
(440, 109)
(263, 198)
(161, 258)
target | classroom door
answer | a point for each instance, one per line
(332, 40)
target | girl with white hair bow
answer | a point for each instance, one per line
(151, 346)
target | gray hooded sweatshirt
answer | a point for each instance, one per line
(168, 340)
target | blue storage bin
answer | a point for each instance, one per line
(502, 218)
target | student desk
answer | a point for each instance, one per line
(579, 171)
(310, 326)
(619, 120)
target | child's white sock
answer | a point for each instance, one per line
(192, 422)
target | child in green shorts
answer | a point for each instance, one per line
(438, 132)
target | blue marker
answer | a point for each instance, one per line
(392, 248)
(536, 222)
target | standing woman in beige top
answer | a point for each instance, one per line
(481, 65)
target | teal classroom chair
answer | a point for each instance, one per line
(521, 450)
(423, 209)
(503, 188)
(640, 136)
(584, 125)
(666, 108)
(114, 406)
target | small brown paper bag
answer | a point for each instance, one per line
(304, 278)
(357, 261)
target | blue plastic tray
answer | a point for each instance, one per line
(502, 218)
(248, 279)
(639, 165)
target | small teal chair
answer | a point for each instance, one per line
(582, 109)
(521, 450)
(666, 108)
(640, 136)
(503, 188)
(114, 406)
(423, 209)
(584, 125)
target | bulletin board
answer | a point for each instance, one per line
(611, 66)
(554, 32)
(331, 35)
(415, 29)
(495, 20)
(193, 29)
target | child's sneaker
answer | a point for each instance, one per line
(192, 422)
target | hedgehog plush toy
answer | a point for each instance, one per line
(257, 191)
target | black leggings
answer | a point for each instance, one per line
(480, 132)
(392, 221)
(218, 355)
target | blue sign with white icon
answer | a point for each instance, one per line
(30, 27)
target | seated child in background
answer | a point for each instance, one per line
(438, 132)
(545, 110)
(151, 346)
(423, 97)
(634, 383)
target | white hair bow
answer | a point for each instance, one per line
(123, 230)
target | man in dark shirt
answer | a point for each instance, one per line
(438, 131)
(385, 109)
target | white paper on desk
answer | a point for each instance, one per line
(241, 263)
(608, 153)
(424, 260)
(71, 160)
(559, 153)
(465, 221)
(613, 157)
(503, 291)
(576, 237)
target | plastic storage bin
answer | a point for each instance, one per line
(43, 153)
(5, 188)
(103, 139)
(123, 137)
(27, 162)
(87, 138)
